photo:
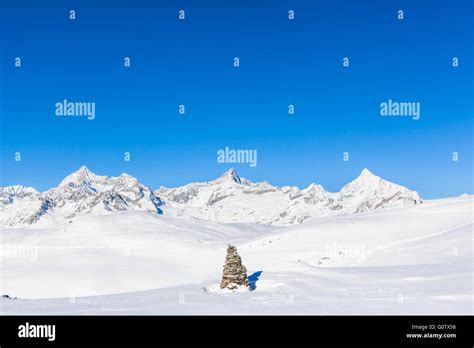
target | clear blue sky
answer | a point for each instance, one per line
(282, 62)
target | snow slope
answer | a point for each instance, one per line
(108, 253)
(410, 260)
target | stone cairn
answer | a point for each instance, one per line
(235, 273)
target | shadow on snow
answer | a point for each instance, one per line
(253, 278)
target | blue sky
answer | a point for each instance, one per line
(282, 62)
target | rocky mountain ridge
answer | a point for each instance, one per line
(227, 199)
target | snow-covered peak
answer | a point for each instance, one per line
(369, 192)
(314, 188)
(80, 176)
(365, 181)
(17, 190)
(229, 176)
(367, 173)
(9, 193)
(368, 182)
(116, 193)
(80, 192)
(368, 177)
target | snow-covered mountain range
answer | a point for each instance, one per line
(78, 193)
(234, 199)
(226, 199)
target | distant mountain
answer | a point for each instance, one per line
(9, 193)
(370, 192)
(80, 192)
(227, 199)
(233, 199)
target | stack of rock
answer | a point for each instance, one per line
(235, 273)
